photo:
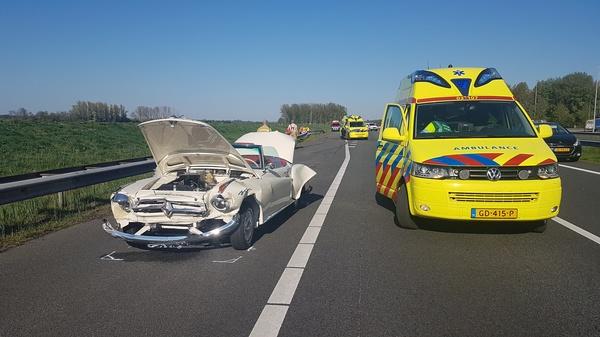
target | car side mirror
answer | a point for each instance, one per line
(545, 131)
(393, 135)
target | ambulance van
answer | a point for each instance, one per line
(354, 127)
(456, 145)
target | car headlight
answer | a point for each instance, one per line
(121, 199)
(576, 143)
(432, 171)
(220, 203)
(548, 171)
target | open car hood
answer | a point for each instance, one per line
(274, 143)
(176, 143)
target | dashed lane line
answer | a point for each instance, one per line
(579, 169)
(271, 318)
(577, 230)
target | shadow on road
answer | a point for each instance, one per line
(465, 227)
(278, 220)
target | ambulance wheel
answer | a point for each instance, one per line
(403, 217)
(539, 226)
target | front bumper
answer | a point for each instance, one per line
(358, 134)
(194, 236)
(573, 154)
(438, 197)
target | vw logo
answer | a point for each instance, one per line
(494, 174)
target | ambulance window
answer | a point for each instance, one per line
(393, 117)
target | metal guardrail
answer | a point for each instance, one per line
(31, 185)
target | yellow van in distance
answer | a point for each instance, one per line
(456, 145)
(354, 127)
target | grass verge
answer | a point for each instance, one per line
(591, 154)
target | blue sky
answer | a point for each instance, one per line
(243, 59)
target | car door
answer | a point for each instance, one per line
(391, 147)
(276, 175)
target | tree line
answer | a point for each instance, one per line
(86, 111)
(311, 112)
(568, 100)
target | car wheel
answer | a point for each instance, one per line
(403, 216)
(301, 201)
(539, 226)
(241, 238)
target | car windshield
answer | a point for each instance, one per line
(558, 129)
(471, 119)
(356, 124)
(251, 155)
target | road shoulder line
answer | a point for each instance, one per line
(577, 230)
(579, 169)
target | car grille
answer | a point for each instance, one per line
(162, 206)
(493, 197)
(507, 173)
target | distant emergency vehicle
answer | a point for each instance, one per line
(354, 127)
(335, 125)
(456, 145)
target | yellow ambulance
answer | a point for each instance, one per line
(456, 145)
(354, 127)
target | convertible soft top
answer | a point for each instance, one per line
(274, 143)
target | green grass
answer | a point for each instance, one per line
(29, 146)
(591, 154)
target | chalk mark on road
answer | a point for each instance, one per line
(234, 260)
(109, 257)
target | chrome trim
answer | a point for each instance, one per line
(169, 207)
(195, 235)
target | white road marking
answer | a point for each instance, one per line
(234, 260)
(286, 287)
(301, 255)
(272, 316)
(250, 249)
(577, 230)
(109, 257)
(310, 235)
(579, 169)
(269, 322)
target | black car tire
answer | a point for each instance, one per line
(403, 216)
(241, 238)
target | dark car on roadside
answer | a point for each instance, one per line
(563, 143)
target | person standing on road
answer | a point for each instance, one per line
(264, 127)
(292, 130)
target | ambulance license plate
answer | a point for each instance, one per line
(494, 213)
(561, 149)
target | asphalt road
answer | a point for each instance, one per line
(365, 275)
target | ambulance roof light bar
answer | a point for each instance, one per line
(428, 76)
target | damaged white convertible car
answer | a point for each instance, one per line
(206, 190)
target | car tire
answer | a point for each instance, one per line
(403, 216)
(242, 236)
(539, 226)
(301, 201)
